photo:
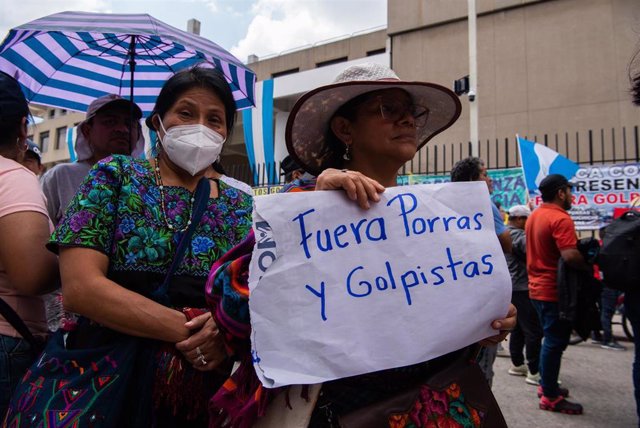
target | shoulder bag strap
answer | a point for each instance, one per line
(16, 322)
(201, 198)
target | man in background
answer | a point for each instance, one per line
(111, 126)
(473, 169)
(291, 170)
(551, 235)
(33, 159)
(527, 333)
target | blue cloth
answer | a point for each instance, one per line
(632, 310)
(15, 358)
(498, 222)
(556, 338)
(538, 161)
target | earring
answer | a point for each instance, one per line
(347, 153)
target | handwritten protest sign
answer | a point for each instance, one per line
(337, 291)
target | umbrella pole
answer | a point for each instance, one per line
(132, 69)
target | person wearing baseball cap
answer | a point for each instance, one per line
(528, 333)
(550, 185)
(33, 158)
(111, 126)
(551, 235)
(290, 169)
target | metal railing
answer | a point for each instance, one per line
(591, 147)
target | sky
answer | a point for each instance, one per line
(243, 27)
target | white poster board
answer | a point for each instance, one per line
(338, 291)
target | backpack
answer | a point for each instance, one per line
(619, 257)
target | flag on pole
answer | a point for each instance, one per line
(258, 131)
(538, 161)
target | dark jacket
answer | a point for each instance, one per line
(578, 291)
(517, 260)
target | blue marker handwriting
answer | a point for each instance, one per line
(374, 229)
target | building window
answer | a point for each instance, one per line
(331, 61)
(61, 136)
(52, 113)
(63, 111)
(376, 52)
(284, 73)
(44, 141)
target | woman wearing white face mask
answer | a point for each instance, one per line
(119, 237)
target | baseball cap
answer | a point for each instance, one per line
(33, 148)
(551, 183)
(111, 100)
(288, 165)
(519, 211)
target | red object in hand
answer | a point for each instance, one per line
(191, 313)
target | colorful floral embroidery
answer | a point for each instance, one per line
(438, 409)
(117, 212)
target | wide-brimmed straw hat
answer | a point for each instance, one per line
(308, 123)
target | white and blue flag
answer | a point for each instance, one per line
(257, 124)
(538, 161)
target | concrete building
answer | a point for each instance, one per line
(547, 69)
(51, 132)
(544, 66)
(550, 70)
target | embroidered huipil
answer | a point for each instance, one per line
(117, 211)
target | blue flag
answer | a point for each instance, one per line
(538, 161)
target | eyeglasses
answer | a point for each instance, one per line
(393, 111)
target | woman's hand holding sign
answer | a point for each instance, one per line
(505, 325)
(358, 186)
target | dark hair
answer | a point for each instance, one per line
(467, 169)
(13, 108)
(634, 78)
(348, 111)
(10, 128)
(196, 77)
(550, 195)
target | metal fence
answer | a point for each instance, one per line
(603, 146)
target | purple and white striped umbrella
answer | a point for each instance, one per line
(68, 59)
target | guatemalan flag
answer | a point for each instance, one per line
(257, 124)
(538, 161)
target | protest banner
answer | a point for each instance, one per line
(508, 184)
(600, 189)
(338, 291)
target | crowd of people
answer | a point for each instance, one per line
(151, 255)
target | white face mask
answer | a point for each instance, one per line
(192, 147)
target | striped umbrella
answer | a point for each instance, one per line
(68, 59)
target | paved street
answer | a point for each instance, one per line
(597, 378)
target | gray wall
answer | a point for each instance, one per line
(543, 66)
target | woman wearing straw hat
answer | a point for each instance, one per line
(355, 135)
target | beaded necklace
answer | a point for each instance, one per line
(162, 201)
